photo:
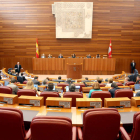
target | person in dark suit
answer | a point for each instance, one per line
(35, 81)
(18, 67)
(59, 80)
(86, 80)
(72, 88)
(50, 88)
(73, 55)
(60, 56)
(24, 79)
(114, 87)
(133, 66)
(49, 56)
(89, 56)
(97, 56)
(138, 79)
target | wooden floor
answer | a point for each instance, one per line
(42, 77)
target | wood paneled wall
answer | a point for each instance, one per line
(22, 21)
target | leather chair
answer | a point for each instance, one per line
(102, 85)
(46, 94)
(12, 125)
(5, 89)
(101, 94)
(129, 83)
(73, 95)
(81, 85)
(124, 93)
(63, 85)
(100, 124)
(119, 84)
(52, 128)
(25, 82)
(135, 135)
(26, 92)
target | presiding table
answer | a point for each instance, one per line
(99, 66)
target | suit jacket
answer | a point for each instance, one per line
(86, 81)
(36, 82)
(74, 56)
(112, 91)
(14, 88)
(133, 66)
(60, 56)
(49, 56)
(20, 79)
(138, 82)
(88, 56)
(18, 69)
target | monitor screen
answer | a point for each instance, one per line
(67, 88)
(53, 87)
(6, 83)
(137, 86)
(36, 86)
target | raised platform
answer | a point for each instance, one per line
(90, 66)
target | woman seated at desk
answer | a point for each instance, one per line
(96, 87)
(97, 56)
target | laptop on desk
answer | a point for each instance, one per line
(137, 87)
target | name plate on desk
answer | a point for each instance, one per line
(88, 103)
(58, 102)
(123, 102)
(31, 100)
(96, 104)
(65, 104)
(9, 98)
(35, 102)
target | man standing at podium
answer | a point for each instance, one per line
(18, 67)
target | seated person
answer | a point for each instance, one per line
(97, 56)
(99, 81)
(30, 85)
(126, 80)
(69, 81)
(60, 56)
(59, 80)
(86, 80)
(137, 94)
(114, 87)
(13, 73)
(24, 79)
(48, 78)
(0, 82)
(73, 56)
(72, 88)
(133, 77)
(10, 72)
(13, 86)
(50, 88)
(43, 55)
(110, 81)
(88, 56)
(49, 56)
(44, 82)
(138, 79)
(35, 81)
(96, 87)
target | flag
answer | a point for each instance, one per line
(37, 51)
(110, 50)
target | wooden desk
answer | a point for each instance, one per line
(56, 101)
(90, 66)
(88, 102)
(116, 102)
(9, 98)
(31, 100)
(135, 101)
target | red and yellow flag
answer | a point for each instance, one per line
(37, 51)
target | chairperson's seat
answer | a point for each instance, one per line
(73, 95)
(5, 89)
(101, 94)
(124, 93)
(46, 94)
(52, 128)
(26, 92)
(100, 124)
(12, 125)
(102, 85)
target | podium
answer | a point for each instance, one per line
(74, 71)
